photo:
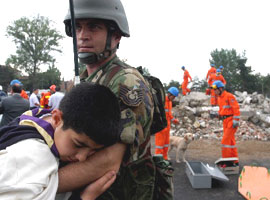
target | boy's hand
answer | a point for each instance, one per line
(95, 189)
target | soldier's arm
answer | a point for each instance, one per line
(76, 175)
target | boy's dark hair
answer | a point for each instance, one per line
(16, 88)
(94, 110)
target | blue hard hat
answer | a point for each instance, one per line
(218, 70)
(221, 67)
(174, 91)
(212, 65)
(217, 84)
(183, 67)
(15, 81)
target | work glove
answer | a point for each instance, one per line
(176, 122)
(214, 115)
(235, 124)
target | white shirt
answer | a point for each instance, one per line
(55, 100)
(28, 170)
(33, 100)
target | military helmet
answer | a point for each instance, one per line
(112, 10)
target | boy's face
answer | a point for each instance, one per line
(72, 147)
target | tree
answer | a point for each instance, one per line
(237, 75)
(51, 77)
(7, 74)
(35, 41)
(171, 84)
(228, 59)
(248, 81)
(198, 85)
(264, 84)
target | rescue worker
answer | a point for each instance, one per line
(211, 71)
(100, 25)
(44, 100)
(184, 85)
(23, 93)
(221, 68)
(162, 138)
(215, 77)
(229, 112)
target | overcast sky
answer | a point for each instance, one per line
(165, 34)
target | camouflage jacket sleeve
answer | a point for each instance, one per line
(137, 108)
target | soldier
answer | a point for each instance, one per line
(100, 24)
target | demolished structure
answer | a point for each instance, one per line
(193, 112)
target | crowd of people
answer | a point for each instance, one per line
(95, 141)
(15, 104)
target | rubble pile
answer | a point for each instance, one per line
(193, 112)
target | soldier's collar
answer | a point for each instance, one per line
(84, 74)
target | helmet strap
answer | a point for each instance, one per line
(91, 58)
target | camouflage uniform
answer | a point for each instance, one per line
(137, 172)
(140, 176)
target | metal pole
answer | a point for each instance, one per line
(75, 51)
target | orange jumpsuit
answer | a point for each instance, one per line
(185, 83)
(162, 138)
(211, 71)
(44, 100)
(211, 80)
(24, 95)
(228, 106)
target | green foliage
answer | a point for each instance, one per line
(264, 82)
(237, 75)
(7, 74)
(171, 84)
(48, 78)
(44, 80)
(199, 85)
(35, 40)
(228, 59)
(146, 71)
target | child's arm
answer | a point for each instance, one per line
(95, 189)
(76, 175)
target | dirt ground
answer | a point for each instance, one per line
(208, 151)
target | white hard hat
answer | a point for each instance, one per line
(1, 88)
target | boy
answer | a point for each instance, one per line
(32, 144)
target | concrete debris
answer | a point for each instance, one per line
(193, 112)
